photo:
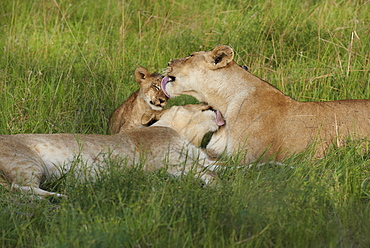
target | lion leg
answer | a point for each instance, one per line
(193, 159)
(25, 175)
(29, 189)
(186, 167)
(36, 190)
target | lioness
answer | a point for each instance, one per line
(149, 96)
(260, 118)
(26, 159)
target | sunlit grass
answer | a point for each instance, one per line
(66, 65)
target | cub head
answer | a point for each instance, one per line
(150, 88)
(191, 121)
(184, 76)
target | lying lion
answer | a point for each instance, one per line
(26, 159)
(128, 116)
(259, 118)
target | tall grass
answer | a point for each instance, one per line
(66, 65)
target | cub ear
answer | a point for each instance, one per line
(221, 56)
(141, 74)
(150, 117)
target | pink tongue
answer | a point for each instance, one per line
(219, 119)
(164, 82)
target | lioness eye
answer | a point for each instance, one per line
(156, 87)
(207, 108)
(188, 57)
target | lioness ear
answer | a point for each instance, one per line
(150, 117)
(221, 56)
(141, 74)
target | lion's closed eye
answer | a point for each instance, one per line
(156, 87)
(188, 57)
(207, 108)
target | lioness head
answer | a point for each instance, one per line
(183, 75)
(150, 88)
(191, 121)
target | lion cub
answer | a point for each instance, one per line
(171, 142)
(150, 96)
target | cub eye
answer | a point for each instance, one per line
(156, 87)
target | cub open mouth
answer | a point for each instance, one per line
(164, 82)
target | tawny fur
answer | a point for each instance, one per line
(25, 159)
(261, 120)
(149, 96)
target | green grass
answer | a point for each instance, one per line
(66, 65)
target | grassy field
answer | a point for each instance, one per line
(65, 65)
